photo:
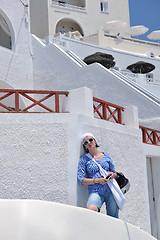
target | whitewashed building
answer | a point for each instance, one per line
(42, 46)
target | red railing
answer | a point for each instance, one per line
(107, 111)
(11, 102)
(102, 109)
(150, 136)
(111, 112)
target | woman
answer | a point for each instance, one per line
(89, 174)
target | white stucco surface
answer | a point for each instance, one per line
(16, 64)
(40, 153)
(92, 19)
(37, 17)
(33, 65)
(153, 123)
(30, 169)
(103, 83)
(121, 57)
(126, 44)
(28, 219)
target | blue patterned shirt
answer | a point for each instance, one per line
(87, 168)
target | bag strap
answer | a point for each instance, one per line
(103, 172)
(113, 185)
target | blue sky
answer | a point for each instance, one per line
(147, 13)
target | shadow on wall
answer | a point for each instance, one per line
(82, 195)
(82, 191)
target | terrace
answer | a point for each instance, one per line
(14, 101)
(72, 5)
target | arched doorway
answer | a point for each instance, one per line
(6, 38)
(68, 25)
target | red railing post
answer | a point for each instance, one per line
(154, 137)
(120, 116)
(56, 102)
(144, 135)
(16, 101)
(104, 111)
(150, 136)
(14, 108)
(108, 110)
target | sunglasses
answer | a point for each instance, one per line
(87, 141)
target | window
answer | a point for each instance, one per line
(104, 6)
(62, 2)
(149, 77)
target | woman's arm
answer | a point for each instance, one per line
(91, 181)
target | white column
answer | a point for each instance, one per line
(130, 117)
(79, 101)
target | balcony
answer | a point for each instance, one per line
(72, 5)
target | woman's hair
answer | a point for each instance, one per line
(87, 150)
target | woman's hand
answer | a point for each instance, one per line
(104, 180)
(101, 181)
(90, 181)
(112, 174)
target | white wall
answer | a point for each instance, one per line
(34, 154)
(16, 64)
(122, 58)
(39, 17)
(51, 66)
(26, 219)
(91, 20)
(54, 70)
(152, 160)
(153, 123)
(40, 153)
(131, 45)
(39, 159)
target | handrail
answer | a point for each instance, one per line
(59, 42)
(76, 58)
(107, 111)
(134, 40)
(150, 136)
(66, 5)
(102, 109)
(26, 94)
(139, 88)
(111, 112)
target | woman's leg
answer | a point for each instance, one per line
(92, 207)
(111, 205)
(95, 202)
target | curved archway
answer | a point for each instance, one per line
(68, 25)
(6, 31)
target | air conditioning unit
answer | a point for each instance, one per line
(151, 54)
